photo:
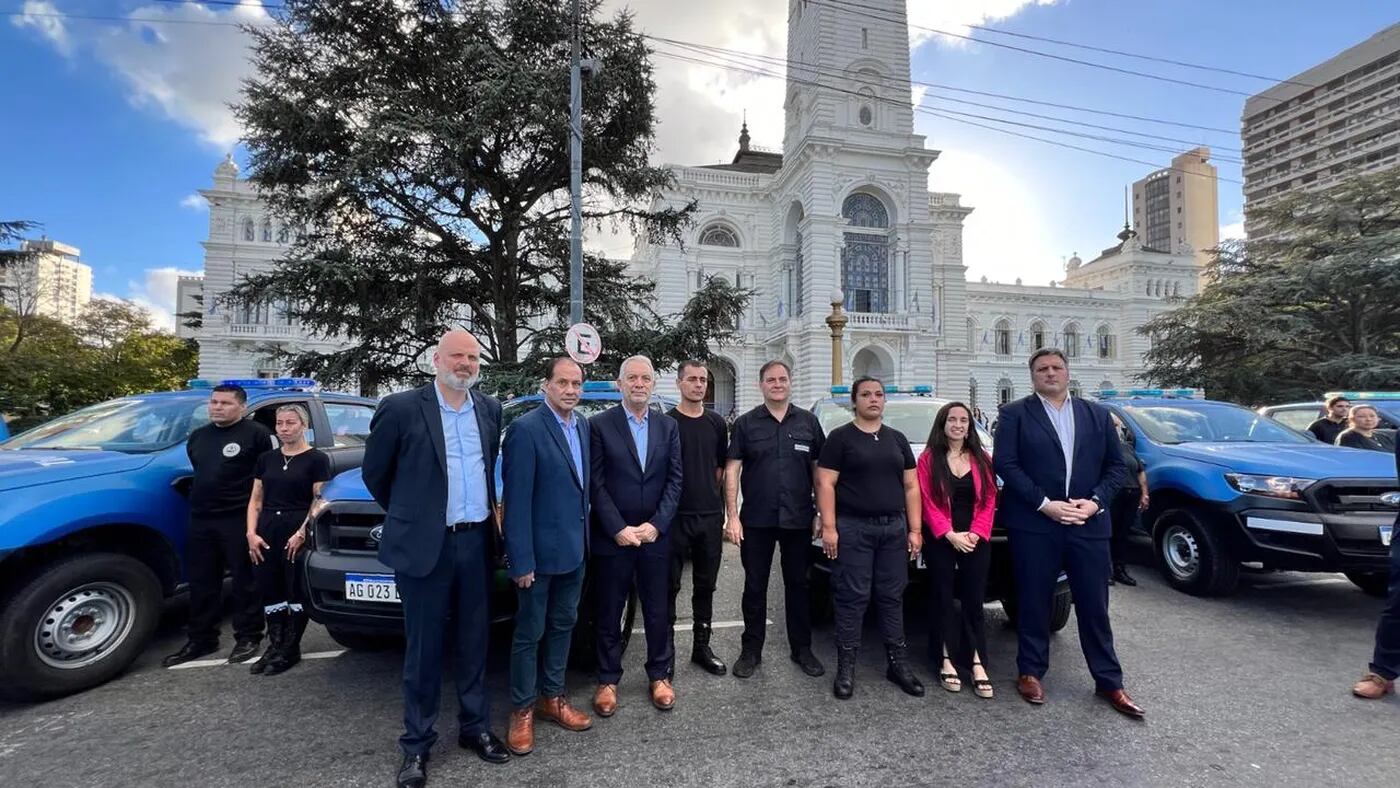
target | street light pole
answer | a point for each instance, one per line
(575, 175)
(836, 321)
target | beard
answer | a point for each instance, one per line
(457, 382)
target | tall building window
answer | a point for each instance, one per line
(1003, 338)
(865, 259)
(865, 38)
(795, 299)
(1037, 335)
(1158, 198)
(267, 231)
(719, 235)
(1106, 343)
(1071, 347)
(1005, 391)
(248, 231)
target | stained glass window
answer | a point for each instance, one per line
(719, 235)
(865, 272)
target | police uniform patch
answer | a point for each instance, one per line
(232, 449)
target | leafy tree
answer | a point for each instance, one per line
(20, 289)
(1310, 305)
(424, 145)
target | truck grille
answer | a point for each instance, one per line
(1351, 496)
(348, 531)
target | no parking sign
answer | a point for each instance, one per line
(583, 343)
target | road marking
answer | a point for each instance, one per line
(691, 626)
(214, 663)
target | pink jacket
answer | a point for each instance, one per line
(940, 519)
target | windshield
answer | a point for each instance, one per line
(1208, 422)
(126, 425)
(914, 418)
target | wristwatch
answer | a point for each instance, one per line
(1097, 502)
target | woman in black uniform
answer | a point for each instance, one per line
(868, 500)
(1362, 432)
(285, 485)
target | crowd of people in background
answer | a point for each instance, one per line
(630, 497)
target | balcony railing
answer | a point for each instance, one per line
(262, 330)
(877, 321)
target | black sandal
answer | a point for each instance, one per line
(950, 680)
(983, 687)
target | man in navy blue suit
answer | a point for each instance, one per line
(428, 463)
(1379, 679)
(636, 484)
(1058, 457)
(544, 465)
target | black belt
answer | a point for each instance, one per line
(458, 527)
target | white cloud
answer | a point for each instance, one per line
(1234, 231)
(155, 293)
(1004, 238)
(43, 16)
(954, 17)
(194, 202)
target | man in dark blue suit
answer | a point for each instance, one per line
(545, 469)
(1379, 680)
(636, 485)
(1058, 457)
(429, 462)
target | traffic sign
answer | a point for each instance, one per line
(583, 343)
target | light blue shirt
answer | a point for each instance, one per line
(466, 465)
(639, 432)
(570, 429)
(1062, 419)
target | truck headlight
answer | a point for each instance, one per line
(1272, 486)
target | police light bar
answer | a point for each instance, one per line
(599, 385)
(1371, 395)
(1163, 393)
(923, 389)
(840, 389)
(254, 383)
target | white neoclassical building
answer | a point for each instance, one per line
(845, 209)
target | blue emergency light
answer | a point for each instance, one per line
(840, 389)
(253, 383)
(1371, 395)
(599, 385)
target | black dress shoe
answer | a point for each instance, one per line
(746, 664)
(486, 746)
(414, 772)
(190, 651)
(808, 662)
(243, 651)
(1120, 575)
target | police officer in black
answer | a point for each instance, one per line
(773, 452)
(871, 524)
(224, 454)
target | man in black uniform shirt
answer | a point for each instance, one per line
(773, 452)
(698, 531)
(1327, 428)
(224, 454)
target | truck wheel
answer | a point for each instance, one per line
(1192, 557)
(1373, 583)
(1059, 609)
(364, 641)
(75, 624)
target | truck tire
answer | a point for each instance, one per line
(76, 623)
(1192, 557)
(1375, 584)
(1060, 608)
(365, 641)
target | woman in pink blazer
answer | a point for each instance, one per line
(959, 498)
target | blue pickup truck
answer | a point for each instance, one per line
(1230, 486)
(92, 525)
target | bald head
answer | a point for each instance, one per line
(457, 360)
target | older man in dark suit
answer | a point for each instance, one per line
(429, 462)
(1060, 460)
(545, 470)
(636, 487)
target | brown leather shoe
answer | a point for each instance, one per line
(605, 700)
(520, 738)
(561, 713)
(1122, 703)
(1030, 689)
(662, 695)
(1373, 687)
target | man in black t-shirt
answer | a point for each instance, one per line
(698, 530)
(1327, 428)
(224, 454)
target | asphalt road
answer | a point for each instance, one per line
(1249, 690)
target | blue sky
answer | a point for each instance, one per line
(113, 125)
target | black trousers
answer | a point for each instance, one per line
(276, 576)
(700, 539)
(955, 574)
(756, 553)
(1386, 661)
(872, 563)
(214, 544)
(650, 571)
(1123, 516)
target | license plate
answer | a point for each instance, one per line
(1386, 532)
(371, 588)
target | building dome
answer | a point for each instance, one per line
(227, 168)
(1074, 262)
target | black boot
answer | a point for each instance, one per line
(702, 655)
(845, 684)
(897, 655)
(294, 625)
(1120, 575)
(276, 633)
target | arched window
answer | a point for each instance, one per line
(248, 231)
(798, 274)
(865, 258)
(1038, 337)
(1003, 338)
(1159, 288)
(267, 231)
(1107, 343)
(972, 392)
(719, 235)
(283, 234)
(1149, 287)
(1071, 347)
(1005, 391)
(1176, 289)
